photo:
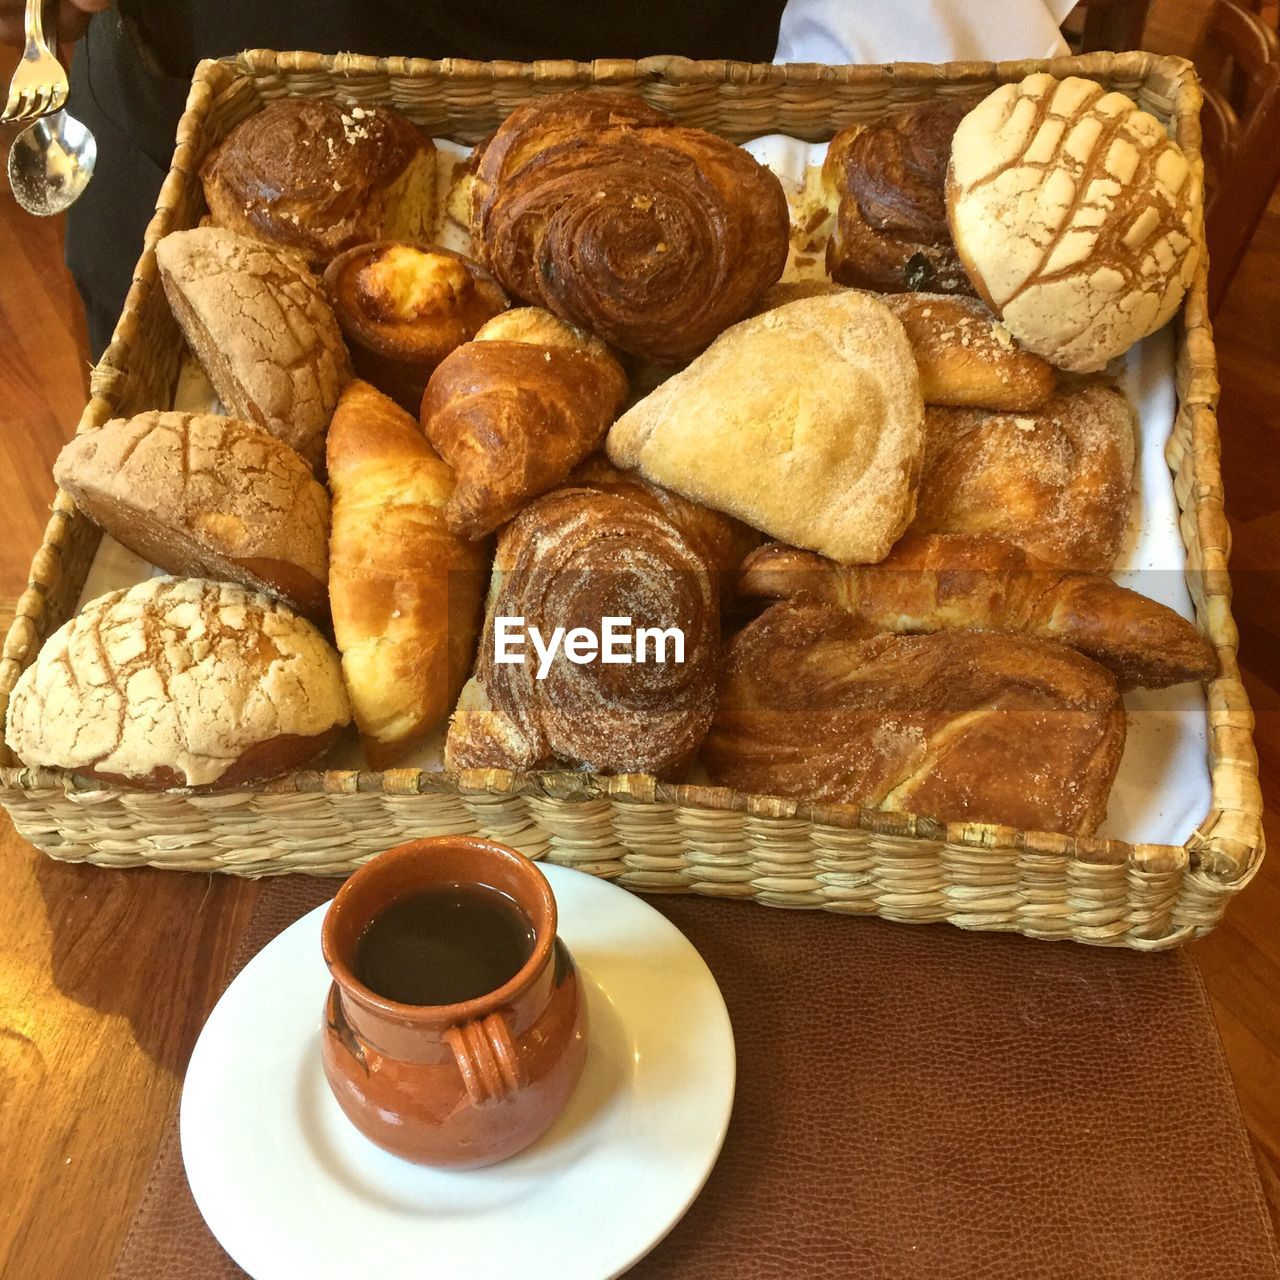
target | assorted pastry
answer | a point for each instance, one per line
(941, 493)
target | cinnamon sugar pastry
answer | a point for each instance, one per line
(967, 358)
(315, 176)
(722, 540)
(889, 179)
(1056, 482)
(1077, 217)
(514, 410)
(571, 559)
(403, 307)
(960, 726)
(604, 210)
(948, 582)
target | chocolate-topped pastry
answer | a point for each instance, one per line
(317, 176)
(404, 307)
(610, 214)
(891, 230)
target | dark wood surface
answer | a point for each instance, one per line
(106, 977)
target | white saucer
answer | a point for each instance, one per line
(289, 1188)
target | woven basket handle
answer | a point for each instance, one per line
(486, 1057)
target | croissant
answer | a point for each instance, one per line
(889, 179)
(515, 410)
(572, 559)
(1056, 482)
(942, 582)
(404, 591)
(605, 211)
(959, 726)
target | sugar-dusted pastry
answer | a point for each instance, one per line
(967, 358)
(405, 592)
(403, 307)
(805, 422)
(206, 496)
(260, 327)
(1056, 481)
(604, 210)
(179, 682)
(889, 183)
(949, 582)
(573, 559)
(722, 540)
(515, 410)
(965, 355)
(316, 176)
(961, 725)
(1078, 219)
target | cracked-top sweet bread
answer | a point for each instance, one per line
(1077, 218)
(207, 496)
(261, 328)
(179, 682)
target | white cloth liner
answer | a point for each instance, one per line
(1162, 789)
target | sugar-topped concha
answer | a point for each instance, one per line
(179, 682)
(1076, 216)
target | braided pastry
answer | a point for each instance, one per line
(608, 213)
(959, 726)
(572, 559)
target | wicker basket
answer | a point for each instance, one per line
(646, 834)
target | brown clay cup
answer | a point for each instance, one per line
(459, 1085)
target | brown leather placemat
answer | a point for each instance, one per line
(915, 1101)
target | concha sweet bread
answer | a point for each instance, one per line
(179, 682)
(1077, 218)
(211, 497)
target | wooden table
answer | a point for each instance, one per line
(105, 980)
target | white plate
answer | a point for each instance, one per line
(290, 1188)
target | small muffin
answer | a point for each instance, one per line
(318, 176)
(200, 494)
(179, 682)
(403, 307)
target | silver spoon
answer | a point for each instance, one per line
(50, 163)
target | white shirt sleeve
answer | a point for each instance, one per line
(837, 31)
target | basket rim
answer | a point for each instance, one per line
(1229, 859)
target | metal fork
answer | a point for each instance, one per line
(39, 85)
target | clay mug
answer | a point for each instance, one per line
(458, 1085)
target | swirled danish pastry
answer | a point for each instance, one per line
(605, 211)
(573, 559)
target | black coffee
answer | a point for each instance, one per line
(444, 945)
